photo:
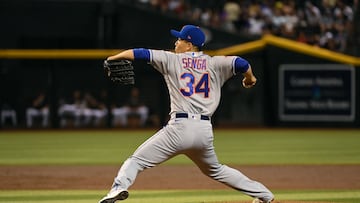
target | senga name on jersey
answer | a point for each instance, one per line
(194, 63)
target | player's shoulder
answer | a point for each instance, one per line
(221, 57)
(161, 51)
(162, 54)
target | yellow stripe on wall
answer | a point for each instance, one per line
(310, 50)
(56, 53)
(239, 49)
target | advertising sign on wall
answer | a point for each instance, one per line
(316, 92)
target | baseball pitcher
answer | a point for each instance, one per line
(194, 82)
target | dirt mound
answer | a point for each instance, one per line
(178, 177)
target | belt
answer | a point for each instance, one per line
(186, 115)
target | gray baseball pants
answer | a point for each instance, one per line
(194, 138)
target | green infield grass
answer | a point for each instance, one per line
(175, 196)
(232, 146)
(251, 146)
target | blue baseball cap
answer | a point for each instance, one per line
(190, 33)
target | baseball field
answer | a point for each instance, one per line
(298, 165)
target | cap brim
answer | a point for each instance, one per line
(175, 33)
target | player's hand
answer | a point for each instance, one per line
(249, 82)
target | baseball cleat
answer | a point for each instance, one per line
(257, 200)
(116, 193)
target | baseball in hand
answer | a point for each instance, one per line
(249, 82)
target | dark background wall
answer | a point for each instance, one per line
(62, 24)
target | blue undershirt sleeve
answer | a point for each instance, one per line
(241, 65)
(142, 54)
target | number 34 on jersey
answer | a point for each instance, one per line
(194, 86)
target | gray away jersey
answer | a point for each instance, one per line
(194, 79)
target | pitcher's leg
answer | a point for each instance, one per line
(208, 163)
(128, 173)
(239, 181)
(149, 154)
(152, 152)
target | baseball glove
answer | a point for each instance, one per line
(120, 71)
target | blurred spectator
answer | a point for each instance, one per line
(291, 21)
(39, 109)
(8, 114)
(134, 113)
(232, 12)
(144, 1)
(95, 110)
(256, 24)
(278, 19)
(176, 6)
(313, 16)
(70, 110)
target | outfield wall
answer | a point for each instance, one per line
(59, 46)
(334, 92)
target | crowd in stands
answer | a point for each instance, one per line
(87, 109)
(323, 23)
(83, 109)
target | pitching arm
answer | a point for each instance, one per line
(127, 54)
